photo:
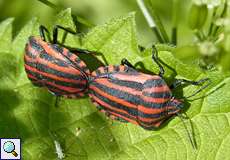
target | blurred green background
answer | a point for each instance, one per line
(195, 45)
(96, 12)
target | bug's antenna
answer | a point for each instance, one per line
(201, 88)
(190, 134)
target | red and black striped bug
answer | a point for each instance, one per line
(127, 95)
(49, 65)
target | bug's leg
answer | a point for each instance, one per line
(124, 61)
(57, 100)
(85, 51)
(74, 50)
(180, 82)
(156, 59)
(55, 32)
(42, 31)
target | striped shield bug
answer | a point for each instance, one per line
(50, 65)
(127, 95)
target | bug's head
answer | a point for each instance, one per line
(174, 106)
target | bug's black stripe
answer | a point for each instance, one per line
(61, 50)
(158, 94)
(131, 111)
(29, 53)
(47, 69)
(154, 83)
(118, 93)
(54, 60)
(133, 117)
(62, 83)
(130, 84)
(122, 114)
(56, 48)
(133, 99)
(116, 68)
(56, 90)
(69, 54)
(36, 46)
(152, 127)
(77, 60)
(98, 72)
(106, 69)
(36, 83)
(44, 55)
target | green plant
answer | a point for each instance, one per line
(84, 133)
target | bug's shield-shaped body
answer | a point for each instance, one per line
(49, 65)
(127, 95)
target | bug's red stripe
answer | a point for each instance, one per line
(75, 59)
(157, 89)
(123, 117)
(64, 88)
(140, 79)
(108, 84)
(150, 110)
(75, 95)
(56, 91)
(97, 100)
(108, 69)
(32, 77)
(152, 125)
(49, 50)
(141, 108)
(72, 57)
(148, 121)
(145, 110)
(131, 91)
(154, 100)
(30, 49)
(67, 89)
(101, 70)
(113, 98)
(153, 122)
(58, 78)
(54, 66)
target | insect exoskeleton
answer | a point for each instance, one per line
(127, 95)
(49, 65)
(130, 96)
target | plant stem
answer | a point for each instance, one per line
(159, 24)
(174, 22)
(50, 4)
(75, 18)
(149, 20)
(221, 16)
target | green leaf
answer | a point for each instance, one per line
(116, 39)
(65, 19)
(28, 112)
(6, 34)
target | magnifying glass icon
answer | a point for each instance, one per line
(9, 147)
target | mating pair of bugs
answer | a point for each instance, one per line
(120, 91)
